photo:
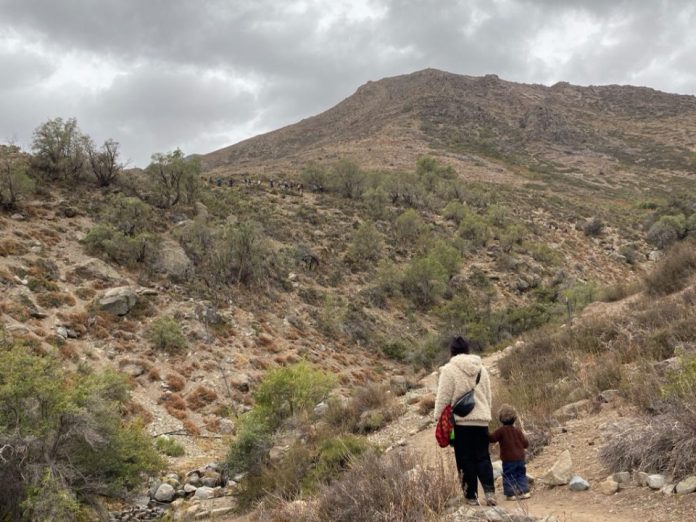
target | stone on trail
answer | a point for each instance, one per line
(668, 490)
(165, 493)
(656, 481)
(688, 485)
(640, 478)
(577, 483)
(609, 486)
(204, 493)
(561, 472)
(622, 477)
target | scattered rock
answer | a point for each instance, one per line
(577, 483)
(241, 381)
(688, 485)
(609, 486)
(189, 488)
(622, 477)
(608, 395)
(655, 255)
(399, 384)
(640, 478)
(573, 410)
(667, 490)
(321, 409)
(211, 479)
(17, 217)
(204, 493)
(561, 472)
(656, 481)
(134, 369)
(96, 269)
(201, 211)
(173, 262)
(165, 493)
(118, 301)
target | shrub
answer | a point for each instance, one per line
(104, 162)
(376, 200)
(497, 216)
(174, 178)
(313, 176)
(474, 229)
(168, 446)
(58, 426)
(123, 249)
(446, 255)
(165, 334)
(59, 150)
(454, 211)
(251, 444)
(241, 255)
(424, 281)
(347, 179)
(15, 183)
(666, 231)
(673, 271)
(593, 227)
(286, 391)
(396, 487)
(200, 397)
(130, 216)
(334, 455)
(409, 226)
(366, 246)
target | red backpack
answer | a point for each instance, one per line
(444, 431)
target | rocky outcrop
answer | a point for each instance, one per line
(173, 262)
(118, 301)
(561, 472)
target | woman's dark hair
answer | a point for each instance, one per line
(459, 345)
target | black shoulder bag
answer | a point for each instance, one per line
(464, 404)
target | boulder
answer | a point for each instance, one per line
(688, 485)
(399, 384)
(577, 483)
(656, 481)
(321, 409)
(667, 490)
(608, 395)
(211, 479)
(133, 369)
(189, 488)
(96, 269)
(118, 301)
(201, 211)
(204, 493)
(561, 472)
(640, 478)
(573, 410)
(173, 262)
(609, 486)
(165, 493)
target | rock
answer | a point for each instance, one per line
(622, 477)
(655, 255)
(194, 479)
(667, 490)
(118, 301)
(207, 313)
(640, 478)
(608, 395)
(688, 485)
(226, 427)
(204, 493)
(211, 479)
(497, 469)
(164, 493)
(96, 269)
(214, 513)
(573, 410)
(399, 384)
(561, 472)
(189, 488)
(577, 483)
(62, 332)
(173, 262)
(608, 487)
(656, 481)
(133, 369)
(321, 409)
(201, 211)
(17, 217)
(277, 453)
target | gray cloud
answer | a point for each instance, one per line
(200, 75)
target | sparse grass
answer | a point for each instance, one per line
(168, 446)
(55, 299)
(674, 271)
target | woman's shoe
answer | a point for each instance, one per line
(490, 499)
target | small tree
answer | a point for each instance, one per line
(60, 150)
(14, 181)
(348, 180)
(173, 176)
(408, 226)
(366, 245)
(104, 162)
(241, 255)
(424, 281)
(313, 176)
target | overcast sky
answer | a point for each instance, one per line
(200, 75)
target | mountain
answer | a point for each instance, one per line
(468, 120)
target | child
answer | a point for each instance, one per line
(512, 445)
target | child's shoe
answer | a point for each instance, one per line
(472, 502)
(526, 495)
(490, 499)
(510, 497)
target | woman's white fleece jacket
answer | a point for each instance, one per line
(457, 377)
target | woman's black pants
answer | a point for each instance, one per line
(473, 459)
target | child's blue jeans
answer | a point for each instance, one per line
(515, 478)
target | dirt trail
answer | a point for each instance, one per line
(582, 437)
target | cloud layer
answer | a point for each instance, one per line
(161, 74)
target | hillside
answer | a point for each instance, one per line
(588, 132)
(207, 286)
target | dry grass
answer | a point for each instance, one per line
(175, 382)
(191, 427)
(10, 247)
(201, 397)
(674, 271)
(55, 299)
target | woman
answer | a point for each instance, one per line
(457, 377)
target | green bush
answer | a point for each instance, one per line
(174, 178)
(666, 231)
(474, 229)
(64, 432)
(424, 281)
(446, 256)
(334, 455)
(169, 446)
(60, 150)
(366, 246)
(347, 179)
(251, 443)
(105, 240)
(454, 211)
(674, 270)
(593, 227)
(165, 334)
(286, 391)
(313, 176)
(409, 226)
(131, 216)
(15, 183)
(376, 201)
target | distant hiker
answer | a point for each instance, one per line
(512, 445)
(465, 372)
